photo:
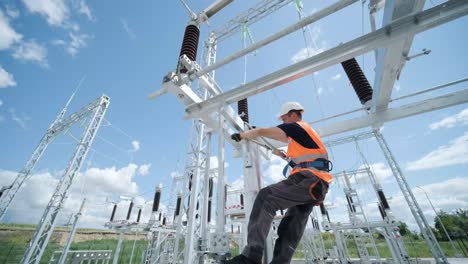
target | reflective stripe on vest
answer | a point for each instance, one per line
(297, 153)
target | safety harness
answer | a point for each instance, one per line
(320, 162)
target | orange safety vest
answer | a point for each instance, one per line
(297, 153)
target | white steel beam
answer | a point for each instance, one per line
(376, 119)
(390, 60)
(250, 16)
(395, 31)
(299, 25)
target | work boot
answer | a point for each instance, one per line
(241, 259)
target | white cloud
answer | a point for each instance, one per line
(397, 86)
(452, 121)
(110, 180)
(448, 196)
(55, 11)
(59, 42)
(31, 51)
(31, 199)
(305, 53)
(1, 103)
(21, 121)
(310, 51)
(272, 170)
(336, 77)
(7, 177)
(127, 28)
(144, 169)
(96, 184)
(456, 152)
(12, 12)
(77, 42)
(135, 145)
(380, 170)
(238, 184)
(8, 36)
(6, 79)
(85, 10)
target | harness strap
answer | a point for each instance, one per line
(321, 165)
(309, 157)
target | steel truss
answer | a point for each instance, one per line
(252, 15)
(195, 204)
(55, 128)
(85, 256)
(403, 19)
(396, 245)
(66, 248)
(410, 24)
(48, 220)
(413, 205)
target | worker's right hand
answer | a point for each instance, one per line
(236, 137)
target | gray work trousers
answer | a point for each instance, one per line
(296, 195)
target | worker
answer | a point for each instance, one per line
(305, 187)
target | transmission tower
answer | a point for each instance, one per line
(413, 205)
(402, 21)
(97, 110)
(8, 194)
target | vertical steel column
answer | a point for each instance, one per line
(252, 180)
(133, 248)
(117, 249)
(220, 198)
(418, 214)
(197, 155)
(204, 231)
(63, 257)
(192, 228)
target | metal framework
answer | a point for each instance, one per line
(85, 256)
(413, 205)
(197, 162)
(48, 220)
(212, 114)
(66, 248)
(364, 241)
(54, 129)
(395, 31)
(252, 15)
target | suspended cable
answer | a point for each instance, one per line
(300, 12)
(119, 129)
(112, 144)
(97, 152)
(362, 31)
(244, 44)
(430, 89)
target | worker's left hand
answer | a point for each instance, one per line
(236, 137)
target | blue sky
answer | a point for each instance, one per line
(49, 49)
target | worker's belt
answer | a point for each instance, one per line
(320, 164)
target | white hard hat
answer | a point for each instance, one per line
(288, 106)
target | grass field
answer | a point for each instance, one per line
(13, 245)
